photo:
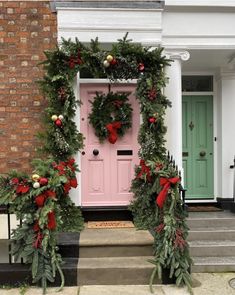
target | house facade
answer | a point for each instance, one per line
(198, 37)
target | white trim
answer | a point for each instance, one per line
(75, 194)
(200, 201)
(74, 28)
(101, 81)
(108, 9)
(197, 93)
(208, 3)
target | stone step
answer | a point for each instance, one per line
(214, 264)
(115, 243)
(212, 234)
(212, 248)
(194, 223)
(114, 271)
(211, 219)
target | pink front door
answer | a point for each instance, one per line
(106, 177)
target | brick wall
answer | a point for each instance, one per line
(27, 28)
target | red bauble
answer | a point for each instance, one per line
(113, 62)
(152, 120)
(43, 181)
(141, 67)
(58, 122)
(15, 180)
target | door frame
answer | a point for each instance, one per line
(215, 130)
(191, 101)
(76, 194)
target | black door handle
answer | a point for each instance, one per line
(95, 152)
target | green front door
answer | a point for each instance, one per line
(198, 146)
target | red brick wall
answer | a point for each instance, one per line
(27, 28)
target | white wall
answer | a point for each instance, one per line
(198, 28)
(226, 133)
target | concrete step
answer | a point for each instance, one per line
(211, 219)
(195, 223)
(115, 243)
(214, 264)
(212, 248)
(114, 270)
(211, 234)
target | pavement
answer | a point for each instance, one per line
(203, 284)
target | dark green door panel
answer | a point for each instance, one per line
(198, 146)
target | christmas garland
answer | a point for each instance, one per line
(38, 199)
(110, 116)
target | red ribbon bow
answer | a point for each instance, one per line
(166, 183)
(144, 169)
(112, 129)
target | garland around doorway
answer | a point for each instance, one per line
(38, 199)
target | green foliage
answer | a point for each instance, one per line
(46, 208)
(71, 216)
(41, 210)
(166, 223)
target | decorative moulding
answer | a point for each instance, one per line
(176, 54)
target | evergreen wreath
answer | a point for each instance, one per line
(111, 115)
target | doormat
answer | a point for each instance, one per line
(203, 209)
(110, 224)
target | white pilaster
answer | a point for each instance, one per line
(173, 91)
(226, 138)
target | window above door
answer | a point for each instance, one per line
(197, 83)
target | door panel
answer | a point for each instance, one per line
(198, 134)
(187, 153)
(106, 177)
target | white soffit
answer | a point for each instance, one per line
(110, 20)
(204, 3)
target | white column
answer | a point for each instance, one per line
(173, 92)
(226, 135)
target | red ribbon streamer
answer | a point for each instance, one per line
(166, 183)
(38, 242)
(144, 169)
(112, 129)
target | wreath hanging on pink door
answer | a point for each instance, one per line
(111, 116)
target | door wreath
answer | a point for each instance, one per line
(111, 116)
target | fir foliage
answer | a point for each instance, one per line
(46, 208)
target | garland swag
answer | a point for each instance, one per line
(156, 206)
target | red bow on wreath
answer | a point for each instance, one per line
(166, 183)
(112, 129)
(144, 169)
